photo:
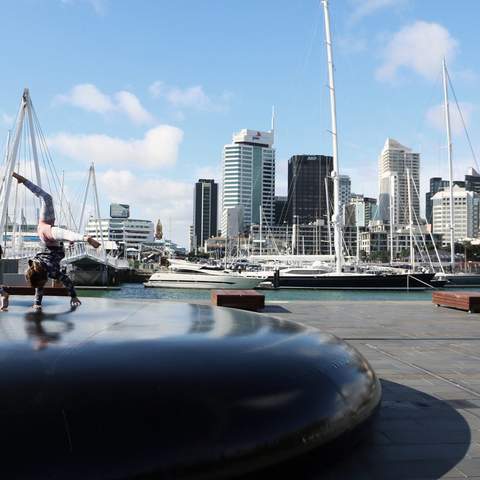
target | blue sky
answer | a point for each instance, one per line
(152, 90)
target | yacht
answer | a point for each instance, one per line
(183, 274)
(320, 279)
(339, 278)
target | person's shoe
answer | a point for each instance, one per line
(37, 308)
(91, 241)
(19, 178)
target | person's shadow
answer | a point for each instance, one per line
(47, 328)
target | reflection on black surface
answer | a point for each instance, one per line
(44, 329)
(131, 390)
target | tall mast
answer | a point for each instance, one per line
(11, 162)
(335, 172)
(410, 222)
(392, 216)
(29, 106)
(450, 167)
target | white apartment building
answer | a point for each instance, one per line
(249, 177)
(393, 163)
(234, 221)
(465, 214)
(130, 231)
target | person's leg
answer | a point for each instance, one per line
(62, 234)
(47, 213)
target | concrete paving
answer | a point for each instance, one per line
(428, 360)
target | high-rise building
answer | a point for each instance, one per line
(465, 214)
(249, 176)
(234, 221)
(205, 207)
(127, 231)
(472, 180)
(307, 194)
(394, 161)
(345, 185)
(280, 210)
(364, 209)
(437, 184)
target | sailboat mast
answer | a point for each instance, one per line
(450, 167)
(335, 172)
(410, 222)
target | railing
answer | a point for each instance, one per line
(72, 253)
(80, 250)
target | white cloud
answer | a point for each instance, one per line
(152, 198)
(190, 97)
(365, 8)
(88, 97)
(436, 117)
(158, 148)
(419, 47)
(131, 105)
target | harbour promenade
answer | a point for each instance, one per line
(428, 360)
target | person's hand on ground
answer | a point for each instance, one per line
(75, 302)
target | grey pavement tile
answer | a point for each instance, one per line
(428, 426)
(470, 466)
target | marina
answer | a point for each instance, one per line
(311, 312)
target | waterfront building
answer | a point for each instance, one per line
(128, 231)
(437, 184)
(205, 207)
(364, 209)
(249, 177)
(280, 210)
(301, 239)
(192, 238)
(472, 180)
(307, 195)
(465, 214)
(394, 161)
(374, 242)
(234, 221)
(345, 189)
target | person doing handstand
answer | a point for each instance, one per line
(46, 264)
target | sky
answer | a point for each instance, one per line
(151, 90)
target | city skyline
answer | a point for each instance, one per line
(153, 103)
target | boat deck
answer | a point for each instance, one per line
(428, 360)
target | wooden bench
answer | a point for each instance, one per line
(244, 299)
(467, 301)
(22, 290)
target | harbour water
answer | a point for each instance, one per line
(138, 291)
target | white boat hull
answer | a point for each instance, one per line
(209, 281)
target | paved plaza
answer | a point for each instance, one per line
(428, 360)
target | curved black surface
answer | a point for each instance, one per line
(414, 436)
(121, 390)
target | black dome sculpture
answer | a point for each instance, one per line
(119, 390)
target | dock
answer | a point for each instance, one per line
(428, 360)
